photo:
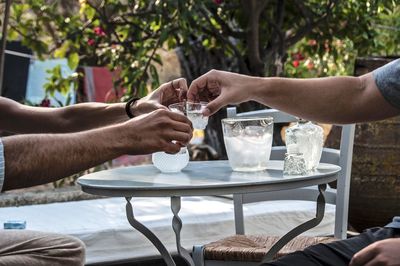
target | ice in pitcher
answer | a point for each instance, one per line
(249, 150)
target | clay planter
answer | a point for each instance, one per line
(375, 179)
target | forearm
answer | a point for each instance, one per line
(332, 100)
(18, 118)
(42, 158)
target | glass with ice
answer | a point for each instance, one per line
(193, 111)
(248, 142)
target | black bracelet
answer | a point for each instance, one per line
(128, 104)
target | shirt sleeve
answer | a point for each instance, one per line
(387, 78)
(1, 165)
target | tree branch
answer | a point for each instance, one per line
(214, 32)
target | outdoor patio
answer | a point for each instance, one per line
(56, 54)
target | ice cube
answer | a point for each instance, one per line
(254, 131)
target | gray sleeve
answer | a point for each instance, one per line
(387, 78)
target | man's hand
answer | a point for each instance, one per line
(156, 131)
(383, 253)
(168, 93)
(221, 88)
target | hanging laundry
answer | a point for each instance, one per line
(99, 84)
(38, 75)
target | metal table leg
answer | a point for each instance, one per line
(148, 234)
(301, 228)
(177, 226)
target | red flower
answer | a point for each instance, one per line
(298, 56)
(218, 2)
(91, 42)
(296, 63)
(312, 42)
(45, 103)
(310, 65)
(99, 31)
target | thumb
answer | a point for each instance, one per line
(214, 106)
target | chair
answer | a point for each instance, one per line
(241, 248)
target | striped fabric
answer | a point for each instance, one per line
(1, 165)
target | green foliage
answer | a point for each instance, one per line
(58, 82)
(254, 37)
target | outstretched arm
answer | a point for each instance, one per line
(19, 118)
(42, 158)
(332, 100)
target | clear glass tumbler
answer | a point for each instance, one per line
(248, 142)
(193, 111)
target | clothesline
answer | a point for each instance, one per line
(10, 52)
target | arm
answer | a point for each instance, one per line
(18, 118)
(42, 158)
(333, 99)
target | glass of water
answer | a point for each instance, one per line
(178, 108)
(248, 142)
(193, 111)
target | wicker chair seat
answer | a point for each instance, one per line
(254, 247)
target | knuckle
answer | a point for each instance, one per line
(213, 71)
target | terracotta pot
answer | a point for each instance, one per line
(375, 179)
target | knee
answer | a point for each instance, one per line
(74, 250)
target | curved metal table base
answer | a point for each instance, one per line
(301, 228)
(176, 225)
(148, 234)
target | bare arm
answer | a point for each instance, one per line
(41, 158)
(332, 100)
(19, 118)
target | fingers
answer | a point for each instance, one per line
(180, 84)
(172, 148)
(180, 118)
(182, 127)
(363, 256)
(206, 87)
(181, 137)
(214, 106)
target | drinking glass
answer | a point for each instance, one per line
(171, 163)
(193, 111)
(248, 142)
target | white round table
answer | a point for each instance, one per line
(203, 179)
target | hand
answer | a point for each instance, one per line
(168, 93)
(382, 253)
(220, 88)
(155, 131)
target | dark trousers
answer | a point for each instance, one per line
(337, 253)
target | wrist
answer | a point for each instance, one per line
(258, 87)
(131, 107)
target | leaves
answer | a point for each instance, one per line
(126, 35)
(73, 60)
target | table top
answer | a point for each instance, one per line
(204, 178)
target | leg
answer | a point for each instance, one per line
(338, 253)
(177, 227)
(148, 234)
(301, 228)
(24, 247)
